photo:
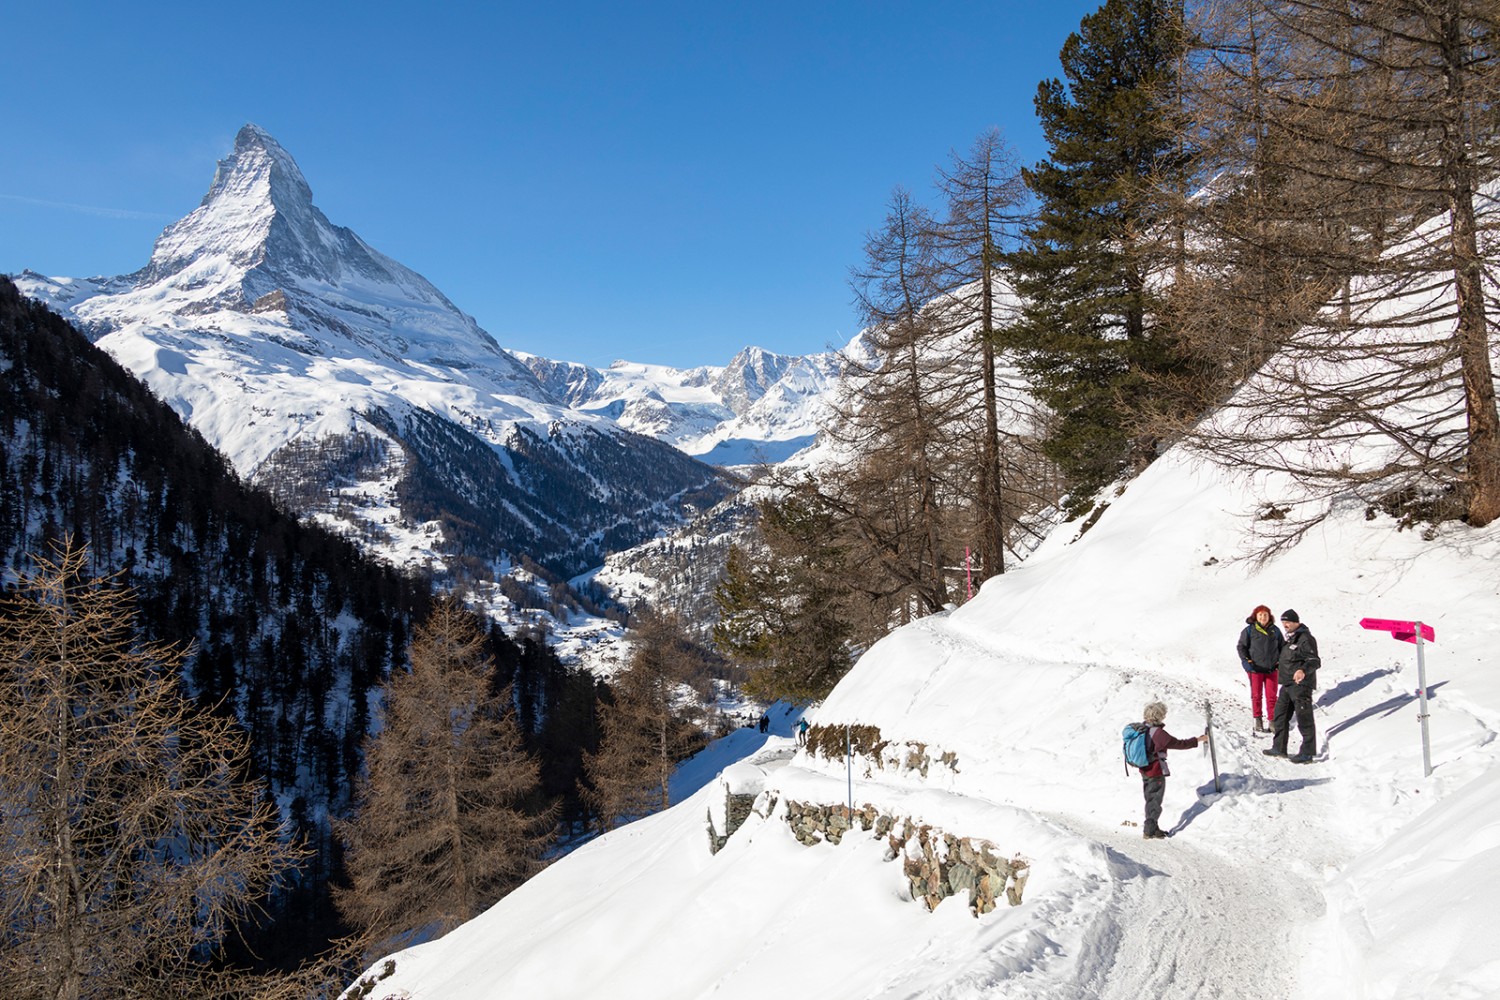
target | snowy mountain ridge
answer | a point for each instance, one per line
(760, 407)
(359, 394)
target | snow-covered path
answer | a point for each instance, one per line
(1233, 904)
(1201, 920)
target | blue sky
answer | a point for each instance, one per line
(663, 182)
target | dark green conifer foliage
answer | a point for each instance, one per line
(289, 628)
(784, 610)
(1089, 336)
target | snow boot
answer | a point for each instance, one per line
(1260, 725)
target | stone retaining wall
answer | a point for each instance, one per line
(736, 810)
(879, 754)
(937, 865)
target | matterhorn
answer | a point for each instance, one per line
(359, 395)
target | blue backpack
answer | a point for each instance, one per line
(1138, 752)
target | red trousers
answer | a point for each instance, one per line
(1262, 686)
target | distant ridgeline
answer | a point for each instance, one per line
(292, 627)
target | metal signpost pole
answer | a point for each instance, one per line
(849, 765)
(1422, 705)
(1413, 632)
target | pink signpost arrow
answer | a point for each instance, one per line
(1411, 632)
(1405, 631)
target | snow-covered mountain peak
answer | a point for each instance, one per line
(259, 159)
(749, 375)
(258, 195)
(357, 392)
(260, 262)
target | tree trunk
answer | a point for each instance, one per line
(462, 900)
(1472, 334)
(991, 505)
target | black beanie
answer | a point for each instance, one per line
(1290, 616)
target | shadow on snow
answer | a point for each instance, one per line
(1230, 784)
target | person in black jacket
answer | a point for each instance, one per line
(1297, 670)
(1259, 648)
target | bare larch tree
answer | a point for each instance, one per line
(448, 814)
(131, 835)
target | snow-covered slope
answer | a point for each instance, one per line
(761, 407)
(356, 391)
(1354, 876)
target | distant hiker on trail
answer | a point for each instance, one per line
(1154, 775)
(765, 722)
(802, 733)
(1260, 647)
(1297, 670)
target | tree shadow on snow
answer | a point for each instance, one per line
(1122, 866)
(1390, 706)
(1231, 784)
(1345, 688)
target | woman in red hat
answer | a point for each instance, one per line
(1260, 647)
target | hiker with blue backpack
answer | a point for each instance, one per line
(1146, 746)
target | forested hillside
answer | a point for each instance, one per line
(291, 627)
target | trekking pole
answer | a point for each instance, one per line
(1213, 754)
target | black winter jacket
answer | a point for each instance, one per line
(1299, 652)
(1260, 649)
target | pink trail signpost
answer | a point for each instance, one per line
(1413, 632)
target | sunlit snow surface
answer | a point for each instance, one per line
(1354, 876)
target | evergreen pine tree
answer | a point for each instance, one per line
(1089, 335)
(784, 606)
